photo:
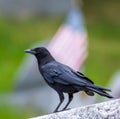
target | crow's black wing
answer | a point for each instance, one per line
(55, 72)
(79, 74)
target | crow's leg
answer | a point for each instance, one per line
(69, 100)
(61, 96)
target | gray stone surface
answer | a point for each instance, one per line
(105, 110)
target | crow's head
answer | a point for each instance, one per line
(41, 53)
(38, 51)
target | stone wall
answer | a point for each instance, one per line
(105, 110)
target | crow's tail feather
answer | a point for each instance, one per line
(100, 90)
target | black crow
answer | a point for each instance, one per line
(63, 79)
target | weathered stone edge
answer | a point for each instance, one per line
(104, 110)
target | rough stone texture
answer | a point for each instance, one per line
(105, 110)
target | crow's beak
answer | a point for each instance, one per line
(30, 51)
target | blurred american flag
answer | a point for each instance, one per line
(69, 45)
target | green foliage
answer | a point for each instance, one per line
(15, 37)
(12, 112)
(104, 51)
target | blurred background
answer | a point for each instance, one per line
(24, 23)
